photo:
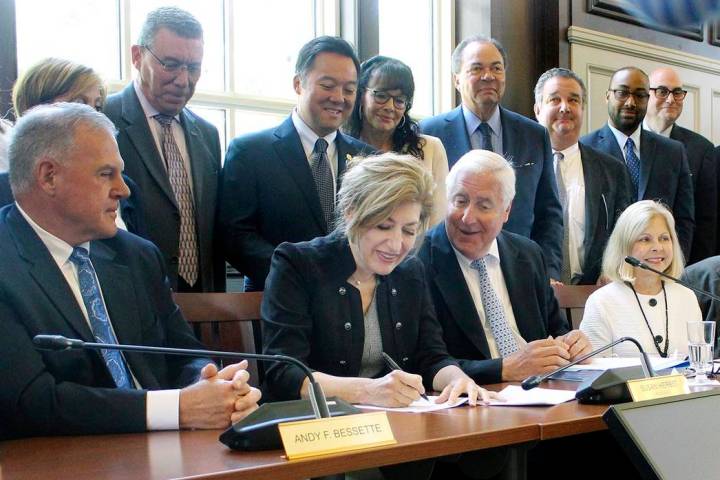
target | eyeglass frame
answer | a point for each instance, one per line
(638, 96)
(674, 91)
(193, 70)
(407, 102)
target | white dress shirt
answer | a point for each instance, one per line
(163, 406)
(472, 122)
(572, 172)
(472, 278)
(308, 138)
(156, 130)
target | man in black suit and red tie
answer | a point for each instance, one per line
(594, 188)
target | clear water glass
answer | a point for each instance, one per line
(701, 343)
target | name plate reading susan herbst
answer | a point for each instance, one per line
(333, 435)
(657, 387)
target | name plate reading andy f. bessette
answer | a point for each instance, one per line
(333, 435)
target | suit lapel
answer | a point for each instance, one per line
(455, 139)
(344, 151)
(47, 275)
(647, 156)
(509, 134)
(594, 187)
(453, 287)
(290, 151)
(139, 133)
(608, 143)
(197, 149)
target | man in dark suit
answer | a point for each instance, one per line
(479, 65)
(66, 269)
(594, 187)
(489, 287)
(172, 154)
(279, 184)
(705, 275)
(657, 166)
(664, 108)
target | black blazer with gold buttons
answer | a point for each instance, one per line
(312, 313)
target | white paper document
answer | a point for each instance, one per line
(514, 396)
(604, 363)
(419, 406)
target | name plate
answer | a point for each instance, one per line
(338, 434)
(657, 387)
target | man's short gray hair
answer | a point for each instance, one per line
(48, 131)
(558, 72)
(458, 52)
(181, 23)
(482, 162)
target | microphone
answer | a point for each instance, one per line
(535, 380)
(317, 397)
(637, 263)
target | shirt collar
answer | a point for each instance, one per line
(59, 248)
(665, 133)
(472, 121)
(622, 138)
(569, 152)
(493, 253)
(147, 107)
(307, 135)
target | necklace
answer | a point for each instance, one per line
(657, 339)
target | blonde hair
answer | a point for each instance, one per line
(629, 227)
(373, 187)
(51, 78)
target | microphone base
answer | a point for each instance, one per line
(609, 387)
(259, 431)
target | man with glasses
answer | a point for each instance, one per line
(170, 152)
(279, 184)
(664, 108)
(657, 166)
(479, 66)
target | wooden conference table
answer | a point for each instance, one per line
(199, 454)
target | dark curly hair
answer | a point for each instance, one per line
(393, 75)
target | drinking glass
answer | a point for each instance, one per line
(701, 340)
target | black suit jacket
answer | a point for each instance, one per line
(536, 212)
(131, 208)
(269, 196)
(312, 313)
(144, 164)
(608, 190)
(72, 392)
(534, 305)
(664, 175)
(701, 159)
(705, 275)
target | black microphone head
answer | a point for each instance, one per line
(633, 261)
(55, 342)
(531, 382)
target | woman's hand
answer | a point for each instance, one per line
(396, 389)
(465, 385)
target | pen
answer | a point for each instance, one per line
(394, 366)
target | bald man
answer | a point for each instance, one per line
(665, 106)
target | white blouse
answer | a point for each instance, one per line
(612, 312)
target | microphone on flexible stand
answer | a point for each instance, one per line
(637, 263)
(535, 380)
(254, 432)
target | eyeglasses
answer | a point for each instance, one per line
(663, 92)
(171, 66)
(400, 101)
(622, 95)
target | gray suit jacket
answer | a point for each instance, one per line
(144, 164)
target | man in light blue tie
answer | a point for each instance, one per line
(65, 269)
(499, 315)
(658, 167)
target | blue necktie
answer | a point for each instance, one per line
(494, 312)
(98, 316)
(633, 165)
(486, 135)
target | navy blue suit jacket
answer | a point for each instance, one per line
(311, 312)
(664, 176)
(72, 392)
(703, 168)
(536, 212)
(144, 164)
(608, 190)
(533, 301)
(131, 208)
(269, 196)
